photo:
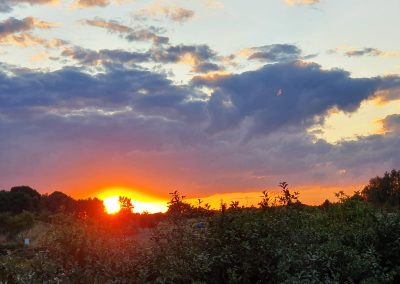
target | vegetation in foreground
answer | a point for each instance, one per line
(355, 240)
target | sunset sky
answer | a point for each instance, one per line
(211, 98)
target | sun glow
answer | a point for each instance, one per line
(141, 202)
(112, 204)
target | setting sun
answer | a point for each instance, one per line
(141, 202)
(112, 204)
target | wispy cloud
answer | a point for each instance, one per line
(301, 2)
(274, 53)
(130, 34)
(174, 13)
(366, 51)
(363, 52)
(8, 5)
(19, 32)
(91, 3)
(201, 58)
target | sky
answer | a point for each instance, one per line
(208, 97)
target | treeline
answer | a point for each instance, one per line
(380, 191)
(24, 198)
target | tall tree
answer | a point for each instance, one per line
(384, 190)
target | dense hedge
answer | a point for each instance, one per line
(347, 242)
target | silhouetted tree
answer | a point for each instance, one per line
(384, 190)
(59, 202)
(326, 203)
(125, 204)
(89, 208)
(176, 205)
(20, 198)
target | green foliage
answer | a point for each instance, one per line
(12, 225)
(59, 202)
(346, 242)
(18, 199)
(350, 241)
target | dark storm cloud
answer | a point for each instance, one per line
(130, 34)
(140, 121)
(276, 53)
(72, 88)
(283, 95)
(278, 96)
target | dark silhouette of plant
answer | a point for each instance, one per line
(93, 208)
(264, 203)
(20, 198)
(176, 205)
(59, 202)
(341, 196)
(125, 204)
(199, 202)
(287, 198)
(326, 203)
(234, 205)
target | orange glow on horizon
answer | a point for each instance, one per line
(309, 195)
(141, 202)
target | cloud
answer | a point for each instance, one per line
(175, 14)
(18, 32)
(363, 52)
(73, 89)
(8, 5)
(156, 134)
(205, 67)
(392, 123)
(308, 92)
(130, 34)
(177, 52)
(301, 2)
(366, 51)
(104, 56)
(200, 57)
(13, 25)
(92, 3)
(275, 53)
